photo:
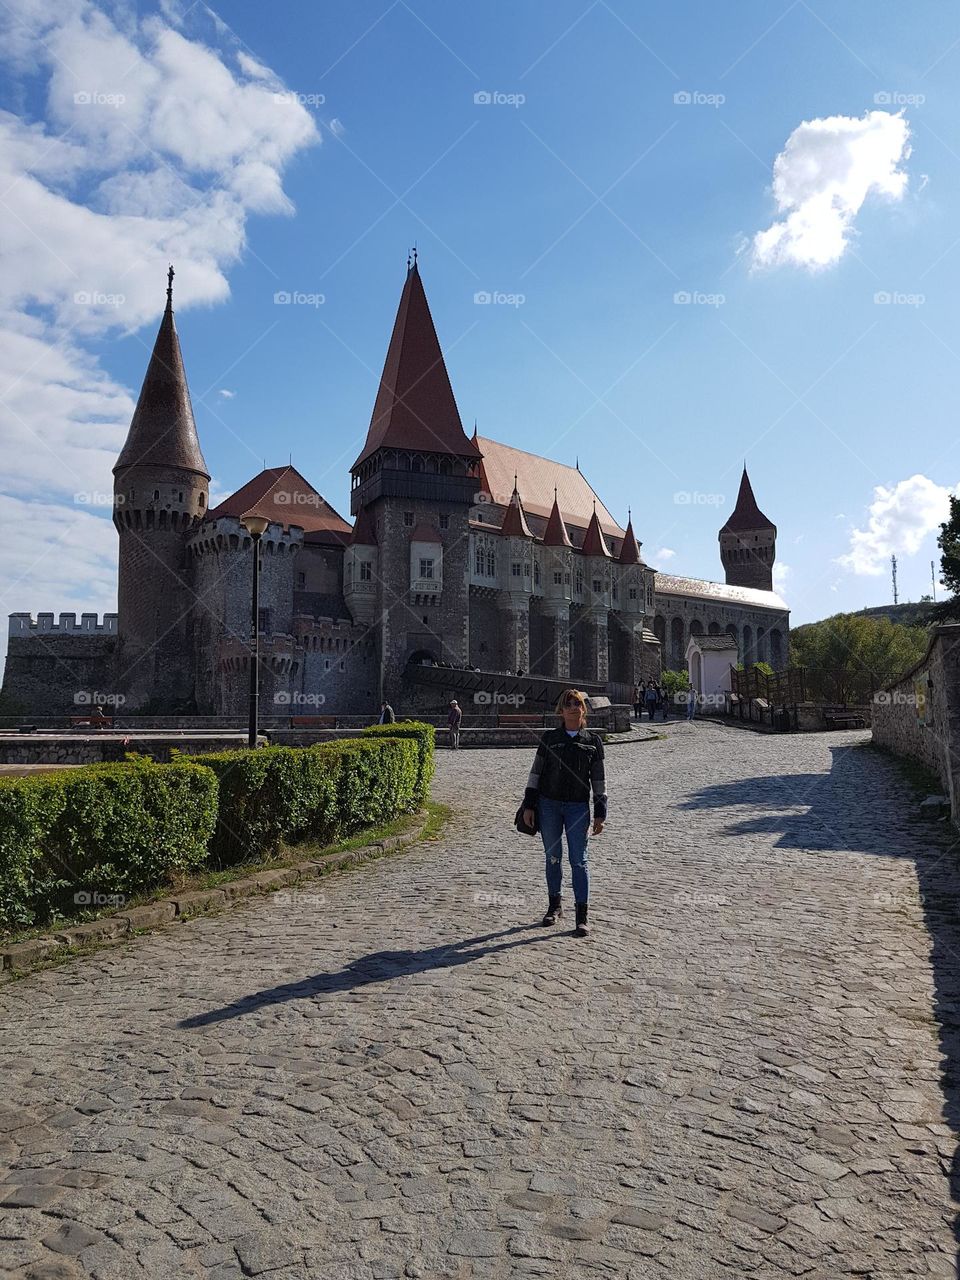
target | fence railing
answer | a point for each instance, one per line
(782, 689)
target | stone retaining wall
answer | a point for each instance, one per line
(103, 747)
(919, 715)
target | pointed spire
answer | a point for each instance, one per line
(515, 521)
(594, 543)
(630, 550)
(555, 534)
(162, 430)
(746, 515)
(415, 406)
(364, 534)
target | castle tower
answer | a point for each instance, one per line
(593, 658)
(748, 542)
(160, 494)
(557, 593)
(417, 478)
(516, 582)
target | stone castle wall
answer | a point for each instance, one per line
(53, 672)
(919, 716)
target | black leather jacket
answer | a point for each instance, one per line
(568, 767)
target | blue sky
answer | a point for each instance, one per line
(585, 195)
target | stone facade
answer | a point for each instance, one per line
(466, 553)
(919, 716)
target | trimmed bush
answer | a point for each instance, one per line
(99, 829)
(268, 796)
(424, 735)
(286, 795)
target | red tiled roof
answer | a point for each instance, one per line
(515, 522)
(536, 479)
(425, 533)
(162, 430)
(593, 543)
(282, 496)
(415, 406)
(555, 534)
(746, 515)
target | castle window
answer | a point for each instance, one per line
(263, 620)
(536, 574)
(366, 570)
(326, 664)
(616, 592)
(579, 581)
(426, 568)
(203, 501)
(478, 561)
(301, 581)
(444, 522)
(515, 568)
(491, 564)
(408, 518)
(156, 495)
(179, 497)
(526, 571)
(343, 665)
(557, 578)
(632, 593)
(597, 586)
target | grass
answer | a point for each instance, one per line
(437, 815)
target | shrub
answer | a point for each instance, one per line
(268, 796)
(425, 737)
(100, 829)
(286, 795)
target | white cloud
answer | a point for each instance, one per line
(899, 519)
(227, 395)
(661, 556)
(781, 574)
(143, 145)
(822, 177)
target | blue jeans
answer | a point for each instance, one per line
(557, 816)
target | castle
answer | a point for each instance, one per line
(464, 552)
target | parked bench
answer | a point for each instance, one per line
(313, 722)
(520, 721)
(97, 722)
(841, 718)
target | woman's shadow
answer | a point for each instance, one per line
(379, 966)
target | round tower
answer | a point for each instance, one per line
(748, 542)
(161, 488)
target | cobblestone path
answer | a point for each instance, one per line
(749, 1069)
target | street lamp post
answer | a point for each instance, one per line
(256, 527)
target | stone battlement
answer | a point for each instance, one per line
(24, 624)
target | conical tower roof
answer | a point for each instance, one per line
(746, 515)
(364, 534)
(162, 431)
(415, 406)
(594, 543)
(555, 534)
(630, 551)
(515, 522)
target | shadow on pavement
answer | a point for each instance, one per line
(863, 804)
(379, 966)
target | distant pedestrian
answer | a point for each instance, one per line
(650, 698)
(637, 701)
(691, 703)
(454, 719)
(386, 714)
(567, 768)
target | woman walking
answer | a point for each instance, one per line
(568, 766)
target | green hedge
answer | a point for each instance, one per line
(285, 795)
(424, 735)
(99, 829)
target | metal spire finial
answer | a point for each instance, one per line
(170, 275)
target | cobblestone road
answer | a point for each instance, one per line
(748, 1070)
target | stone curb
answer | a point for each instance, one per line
(20, 957)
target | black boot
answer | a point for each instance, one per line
(554, 911)
(582, 928)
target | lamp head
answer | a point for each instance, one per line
(254, 525)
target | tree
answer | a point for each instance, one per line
(849, 656)
(948, 540)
